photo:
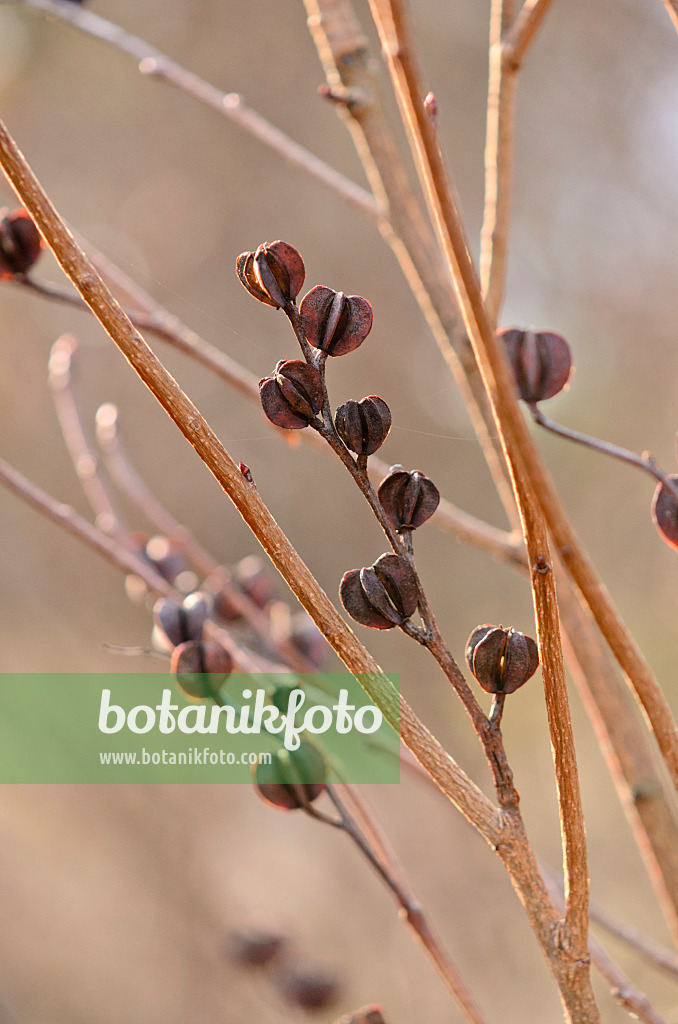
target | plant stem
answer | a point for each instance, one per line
(413, 914)
(518, 39)
(230, 105)
(645, 462)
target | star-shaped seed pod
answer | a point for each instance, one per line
(363, 426)
(501, 659)
(541, 362)
(409, 498)
(382, 595)
(293, 395)
(333, 322)
(274, 273)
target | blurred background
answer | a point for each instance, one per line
(118, 902)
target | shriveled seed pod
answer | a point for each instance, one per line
(273, 274)
(501, 659)
(541, 362)
(409, 498)
(293, 778)
(382, 595)
(200, 668)
(665, 513)
(178, 623)
(293, 395)
(334, 322)
(363, 426)
(20, 243)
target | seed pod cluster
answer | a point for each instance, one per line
(408, 498)
(541, 362)
(363, 426)
(333, 322)
(293, 778)
(274, 273)
(20, 243)
(665, 513)
(382, 595)
(293, 395)
(501, 659)
(177, 623)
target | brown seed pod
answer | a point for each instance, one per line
(257, 949)
(363, 426)
(310, 988)
(20, 243)
(178, 623)
(334, 322)
(541, 362)
(382, 595)
(293, 395)
(273, 274)
(408, 498)
(293, 778)
(501, 659)
(665, 513)
(200, 668)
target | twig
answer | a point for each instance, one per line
(448, 775)
(574, 985)
(615, 451)
(85, 463)
(414, 915)
(517, 41)
(652, 952)
(230, 105)
(498, 163)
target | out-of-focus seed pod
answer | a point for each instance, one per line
(178, 623)
(333, 322)
(20, 243)
(293, 395)
(501, 659)
(257, 949)
(166, 556)
(382, 595)
(200, 668)
(665, 513)
(274, 273)
(310, 988)
(541, 362)
(409, 498)
(293, 778)
(363, 426)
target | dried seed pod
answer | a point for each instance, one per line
(665, 513)
(310, 988)
(293, 778)
(166, 556)
(408, 498)
(200, 668)
(541, 362)
(334, 322)
(363, 426)
(293, 395)
(257, 949)
(501, 659)
(20, 243)
(178, 623)
(382, 595)
(273, 274)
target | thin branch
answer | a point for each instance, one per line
(652, 952)
(501, 104)
(448, 775)
(574, 985)
(413, 914)
(518, 40)
(230, 105)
